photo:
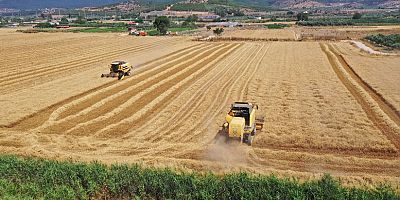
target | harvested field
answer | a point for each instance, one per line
(381, 72)
(260, 34)
(319, 117)
(343, 33)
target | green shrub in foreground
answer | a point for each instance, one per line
(28, 178)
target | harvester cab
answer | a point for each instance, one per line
(242, 122)
(119, 69)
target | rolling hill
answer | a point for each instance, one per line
(318, 3)
(35, 4)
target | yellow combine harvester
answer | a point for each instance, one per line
(242, 123)
(119, 69)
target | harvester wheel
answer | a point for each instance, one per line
(120, 75)
(128, 73)
(250, 140)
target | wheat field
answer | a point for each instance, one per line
(327, 108)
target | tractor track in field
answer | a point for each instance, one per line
(38, 73)
(255, 158)
(228, 88)
(287, 164)
(126, 89)
(67, 51)
(122, 95)
(375, 117)
(355, 152)
(69, 65)
(192, 104)
(157, 68)
(36, 119)
(252, 65)
(386, 106)
(181, 137)
(42, 43)
(209, 119)
(85, 57)
(57, 57)
(52, 48)
(167, 92)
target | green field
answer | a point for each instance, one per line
(32, 178)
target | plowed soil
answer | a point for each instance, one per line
(323, 112)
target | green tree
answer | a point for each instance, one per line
(221, 11)
(192, 18)
(161, 24)
(190, 21)
(302, 16)
(357, 15)
(44, 25)
(64, 21)
(218, 31)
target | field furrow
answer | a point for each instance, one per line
(160, 96)
(122, 94)
(199, 129)
(163, 131)
(33, 74)
(73, 105)
(390, 132)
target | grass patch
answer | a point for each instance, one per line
(276, 26)
(31, 178)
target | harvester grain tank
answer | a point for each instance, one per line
(242, 122)
(119, 69)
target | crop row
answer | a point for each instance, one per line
(37, 178)
(348, 22)
(392, 40)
